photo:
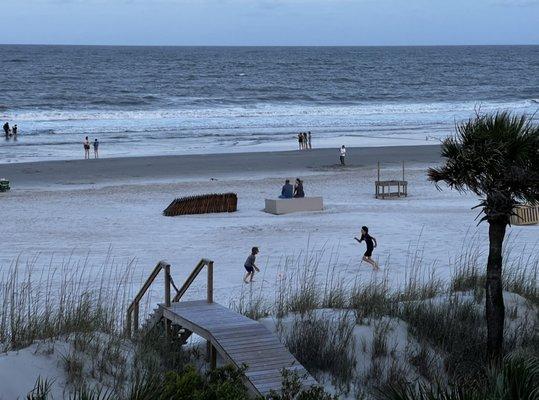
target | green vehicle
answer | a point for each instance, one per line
(4, 185)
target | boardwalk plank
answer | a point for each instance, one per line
(240, 340)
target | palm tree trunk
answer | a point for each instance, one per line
(495, 310)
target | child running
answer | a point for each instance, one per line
(371, 244)
(250, 266)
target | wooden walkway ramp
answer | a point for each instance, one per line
(238, 340)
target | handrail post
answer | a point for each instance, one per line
(210, 282)
(167, 298)
(167, 285)
(135, 319)
(128, 323)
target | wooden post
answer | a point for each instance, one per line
(213, 358)
(210, 282)
(403, 170)
(208, 350)
(167, 285)
(135, 319)
(128, 324)
(168, 329)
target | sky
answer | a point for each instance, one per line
(270, 22)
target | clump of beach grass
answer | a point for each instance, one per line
(83, 305)
(323, 343)
(60, 300)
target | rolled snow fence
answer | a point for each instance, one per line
(202, 204)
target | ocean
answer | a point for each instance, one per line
(176, 100)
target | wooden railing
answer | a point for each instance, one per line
(132, 321)
(200, 266)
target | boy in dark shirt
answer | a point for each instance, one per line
(371, 244)
(250, 266)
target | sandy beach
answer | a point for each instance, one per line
(154, 168)
(78, 210)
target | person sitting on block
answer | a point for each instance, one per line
(288, 190)
(298, 189)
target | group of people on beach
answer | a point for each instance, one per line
(10, 131)
(290, 191)
(304, 141)
(251, 267)
(86, 146)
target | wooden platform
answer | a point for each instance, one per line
(238, 340)
(390, 189)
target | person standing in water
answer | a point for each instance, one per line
(371, 245)
(86, 145)
(250, 266)
(300, 141)
(342, 154)
(14, 130)
(6, 129)
(96, 148)
(309, 140)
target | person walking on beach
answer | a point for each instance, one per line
(6, 129)
(86, 145)
(298, 189)
(96, 148)
(343, 154)
(371, 245)
(250, 266)
(309, 140)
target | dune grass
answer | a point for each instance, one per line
(444, 321)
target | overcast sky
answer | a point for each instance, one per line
(270, 22)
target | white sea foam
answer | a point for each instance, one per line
(265, 110)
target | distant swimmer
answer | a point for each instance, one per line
(96, 148)
(371, 243)
(86, 145)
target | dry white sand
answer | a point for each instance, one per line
(78, 219)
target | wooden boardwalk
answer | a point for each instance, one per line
(238, 340)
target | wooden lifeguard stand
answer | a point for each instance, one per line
(391, 189)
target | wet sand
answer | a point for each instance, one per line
(161, 168)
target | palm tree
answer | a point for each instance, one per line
(495, 156)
